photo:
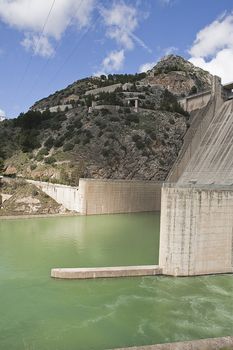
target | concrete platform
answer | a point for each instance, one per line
(223, 343)
(106, 272)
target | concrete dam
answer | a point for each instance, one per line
(196, 201)
(196, 234)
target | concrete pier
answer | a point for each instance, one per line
(196, 235)
(106, 272)
(202, 344)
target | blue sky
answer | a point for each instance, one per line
(47, 44)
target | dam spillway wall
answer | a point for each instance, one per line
(192, 139)
(196, 234)
(212, 161)
(118, 196)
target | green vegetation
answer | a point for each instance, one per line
(119, 78)
(169, 103)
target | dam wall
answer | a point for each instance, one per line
(68, 196)
(105, 196)
(118, 196)
(192, 139)
(200, 122)
(212, 161)
(196, 234)
(197, 101)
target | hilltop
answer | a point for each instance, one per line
(92, 129)
(179, 76)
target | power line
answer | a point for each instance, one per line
(55, 49)
(37, 44)
(72, 52)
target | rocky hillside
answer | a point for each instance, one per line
(100, 134)
(179, 76)
(19, 198)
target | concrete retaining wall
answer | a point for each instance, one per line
(194, 102)
(196, 235)
(68, 196)
(118, 196)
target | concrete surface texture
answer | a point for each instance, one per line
(196, 234)
(212, 161)
(118, 196)
(223, 343)
(197, 101)
(68, 196)
(106, 272)
(199, 123)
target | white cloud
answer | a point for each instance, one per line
(212, 49)
(220, 65)
(146, 66)
(169, 50)
(39, 45)
(30, 16)
(113, 62)
(218, 35)
(121, 21)
(2, 113)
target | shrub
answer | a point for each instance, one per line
(171, 121)
(59, 142)
(69, 134)
(105, 152)
(169, 103)
(50, 160)
(86, 140)
(78, 124)
(76, 140)
(49, 142)
(193, 90)
(114, 119)
(39, 157)
(140, 144)
(136, 138)
(1, 164)
(43, 152)
(68, 146)
(105, 111)
(35, 193)
(32, 167)
(133, 118)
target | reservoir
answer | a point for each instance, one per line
(40, 313)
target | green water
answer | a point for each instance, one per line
(40, 313)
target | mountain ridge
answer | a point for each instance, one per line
(101, 134)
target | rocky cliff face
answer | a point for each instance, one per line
(179, 76)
